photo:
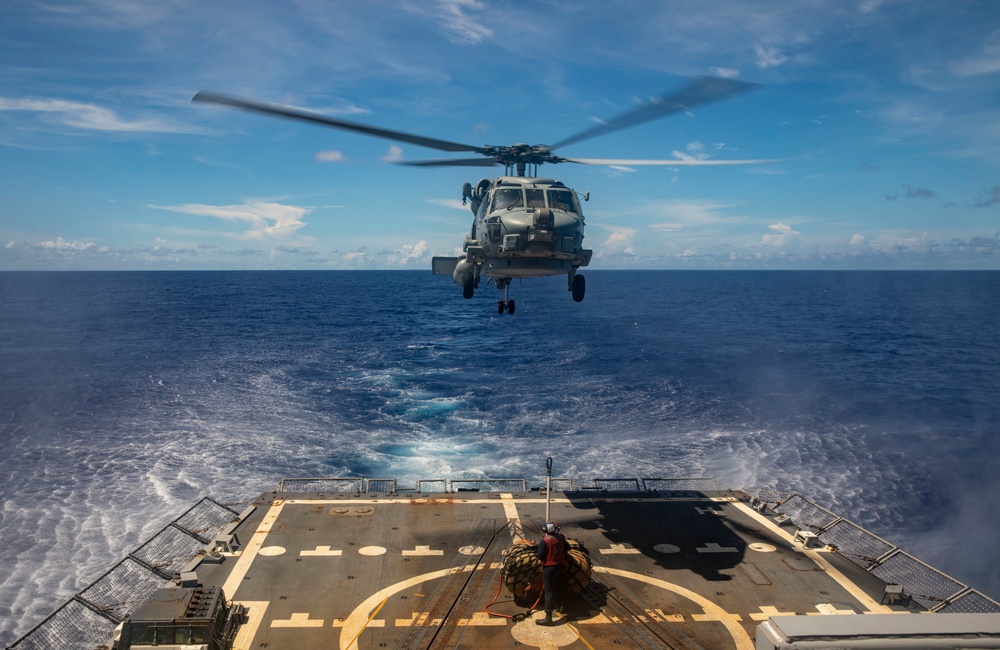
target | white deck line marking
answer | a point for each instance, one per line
(321, 551)
(423, 550)
(867, 601)
(713, 612)
(248, 630)
(235, 578)
(620, 549)
(714, 547)
(513, 519)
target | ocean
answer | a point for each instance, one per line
(125, 397)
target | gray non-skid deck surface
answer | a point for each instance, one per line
(416, 571)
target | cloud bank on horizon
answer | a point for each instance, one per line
(879, 116)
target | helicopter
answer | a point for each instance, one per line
(524, 226)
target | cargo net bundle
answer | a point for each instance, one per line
(88, 620)
(922, 583)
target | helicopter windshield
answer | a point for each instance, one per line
(506, 199)
(561, 200)
(536, 198)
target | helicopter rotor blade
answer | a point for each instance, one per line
(452, 162)
(686, 162)
(698, 93)
(308, 116)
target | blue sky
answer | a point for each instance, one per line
(882, 115)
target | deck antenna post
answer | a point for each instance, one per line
(548, 486)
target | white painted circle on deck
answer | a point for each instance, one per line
(272, 550)
(371, 550)
(761, 547)
(666, 548)
(472, 550)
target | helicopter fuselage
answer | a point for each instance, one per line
(523, 227)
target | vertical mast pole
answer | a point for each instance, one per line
(548, 487)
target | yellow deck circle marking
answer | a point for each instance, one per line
(761, 547)
(713, 611)
(371, 550)
(272, 551)
(539, 636)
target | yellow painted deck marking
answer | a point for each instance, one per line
(713, 612)
(482, 619)
(867, 601)
(375, 622)
(298, 620)
(513, 519)
(255, 614)
(354, 624)
(767, 611)
(250, 552)
(367, 623)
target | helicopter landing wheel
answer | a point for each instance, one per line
(468, 285)
(579, 288)
(505, 306)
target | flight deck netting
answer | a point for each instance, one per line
(616, 484)
(74, 626)
(320, 485)
(490, 485)
(206, 516)
(805, 513)
(855, 543)
(86, 621)
(122, 589)
(386, 485)
(972, 602)
(924, 584)
(680, 484)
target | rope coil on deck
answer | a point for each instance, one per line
(522, 570)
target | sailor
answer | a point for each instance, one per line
(552, 552)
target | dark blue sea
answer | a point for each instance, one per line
(124, 397)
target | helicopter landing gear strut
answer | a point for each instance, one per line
(504, 305)
(578, 285)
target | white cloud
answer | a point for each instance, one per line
(857, 240)
(60, 244)
(409, 254)
(90, 116)
(727, 73)
(394, 154)
(266, 219)
(784, 238)
(768, 57)
(330, 156)
(454, 16)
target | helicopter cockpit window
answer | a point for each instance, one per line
(505, 199)
(561, 200)
(536, 198)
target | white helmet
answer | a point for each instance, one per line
(550, 527)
